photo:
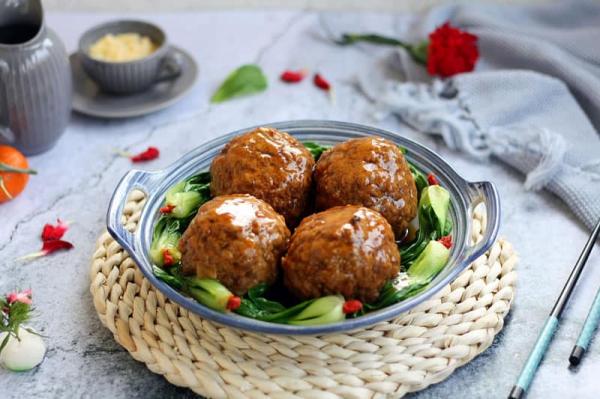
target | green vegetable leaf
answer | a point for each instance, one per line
(187, 196)
(419, 177)
(174, 281)
(246, 80)
(434, 222)
(389, 295)
(208, 292)
(316, 149)
(167, 233)
(429, 263)
(323, 310)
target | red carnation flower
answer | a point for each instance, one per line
(448, 51)
(451, 51)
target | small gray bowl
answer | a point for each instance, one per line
(130, 76)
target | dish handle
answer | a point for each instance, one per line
(134, 179)
(486, 193)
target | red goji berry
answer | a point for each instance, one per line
(167, 208)
(234, 302)
(352, 306)
(432, 180)
(167, 258)
(446, 241)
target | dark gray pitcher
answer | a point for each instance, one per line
(35, 79)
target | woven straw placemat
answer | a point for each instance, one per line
(419, 348)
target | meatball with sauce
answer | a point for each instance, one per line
(270, 165)
(371, 172)
(348, 250)
(236, 239)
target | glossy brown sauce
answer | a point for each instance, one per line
(270, 165)
(371, 172)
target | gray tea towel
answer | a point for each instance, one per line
(533, 101)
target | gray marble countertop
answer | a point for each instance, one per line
(77, 177)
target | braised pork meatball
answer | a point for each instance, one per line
(269, 164)
(348, 250)
(236, 239)
(371, 172)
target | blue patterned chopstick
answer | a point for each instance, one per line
(543, 341)
(587, 332)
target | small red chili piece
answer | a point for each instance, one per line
(234, 302)
(321, 83)
(432, 180)
(148, 155)
(167, 208)
(446, 241)
(55, 245)
(352, 306)
(293, 76)
(167, 258)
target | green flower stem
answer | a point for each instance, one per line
(418, 51)
(12, 169)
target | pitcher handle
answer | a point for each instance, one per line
(6, 135)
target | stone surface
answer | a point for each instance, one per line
(196, 5)
(77, 177)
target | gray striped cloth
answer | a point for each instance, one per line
(533, 101)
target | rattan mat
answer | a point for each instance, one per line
(417, 349)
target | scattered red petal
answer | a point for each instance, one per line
(432, 180)
(148, 155)
(234, 302)
(446, 241)
(293, 76)
(23, 297)
(167, 208)
(167, 258)
(55, 245)
(352, 306)
(321, 83)
(51, 232)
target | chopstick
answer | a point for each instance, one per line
(587, 332)
(543, 341)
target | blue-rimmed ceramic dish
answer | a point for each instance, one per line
(465, 195)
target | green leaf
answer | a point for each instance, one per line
(429, 263)
(324, 310)
(172, 280)
(311, 312)
(247, 79)
(167, 233)
(438, 198)
(209, 292)
(419, 177)
(5, 341)
(316, 149)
